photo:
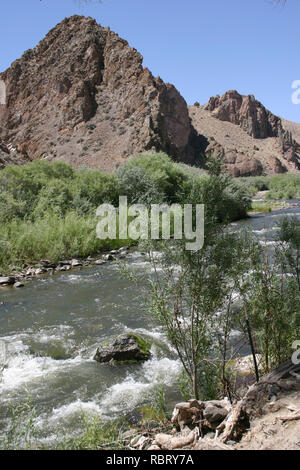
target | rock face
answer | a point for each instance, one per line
(82, 96)
(125, 348)
(251, 139)
(9, 156)
(246, 112)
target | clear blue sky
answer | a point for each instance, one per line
(203, 47)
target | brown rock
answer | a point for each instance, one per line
(251, 140)
(82, 96)
(246, 112)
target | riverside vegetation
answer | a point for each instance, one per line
(233, 283)
(48, 210)
(279, 187)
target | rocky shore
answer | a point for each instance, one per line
(47, 267)
(266, 418)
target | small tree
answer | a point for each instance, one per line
(192, 299)
(288, 249)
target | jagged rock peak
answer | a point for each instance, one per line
(83, 96)
(246, 112)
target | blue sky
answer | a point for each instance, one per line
(203, 47)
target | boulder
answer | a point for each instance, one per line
(129, 347)
(6, 280)
(214, 413)
(76, 263)
(209, 413)
(108, 257)
(17, 285)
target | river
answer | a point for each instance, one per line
(50, 330)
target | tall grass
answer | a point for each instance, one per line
(51, 237)
(48, 210)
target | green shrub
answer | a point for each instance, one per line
(160, 173)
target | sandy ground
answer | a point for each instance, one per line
(270, 432)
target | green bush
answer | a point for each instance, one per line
(284, 187)
(159, 172)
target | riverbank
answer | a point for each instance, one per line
(17, 279)
(262, 206)
(49, 210)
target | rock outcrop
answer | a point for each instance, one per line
(267, 418)
(251, 139)
(83, 96)
(246, 112)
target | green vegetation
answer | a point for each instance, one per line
(143, 345)
(232, 283)
(260, 207)
(283, 187)
(48, 210)
(95, 433)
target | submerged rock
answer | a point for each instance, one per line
(129, 347)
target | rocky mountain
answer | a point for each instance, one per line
(83, 96)
(252, 140)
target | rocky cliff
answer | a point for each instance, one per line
(83, 96)
(252, 140)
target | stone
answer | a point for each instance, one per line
(18, 284)
(108, 257)
(193, 411)
(6, 280)
(128, 347)
(99, 262)
(214, 414)
(167, 442)
(76, 263)
(30, 272)
(39, 271)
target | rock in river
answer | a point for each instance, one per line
(129, 347)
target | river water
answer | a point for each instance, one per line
(50, 330)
